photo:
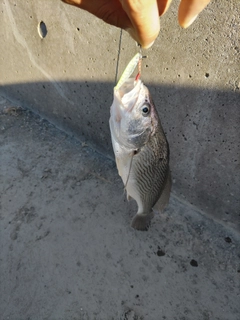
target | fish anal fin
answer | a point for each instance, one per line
(129, 197)
(164, 198)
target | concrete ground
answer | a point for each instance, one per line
(67, 250)
(193, 76)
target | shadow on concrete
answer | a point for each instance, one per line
(201, 124)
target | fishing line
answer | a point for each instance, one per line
(118, 56)
(130, 167)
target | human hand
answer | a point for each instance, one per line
(140, 17)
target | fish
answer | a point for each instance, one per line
(140, 147)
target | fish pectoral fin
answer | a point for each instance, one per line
(124, 165)
(130, 166)
(164, 198)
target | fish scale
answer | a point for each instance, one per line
(145, 173)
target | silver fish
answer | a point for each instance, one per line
(141, 150)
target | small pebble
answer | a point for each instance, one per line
(228, 239)
(193, 263)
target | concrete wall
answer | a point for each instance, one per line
(68, 78)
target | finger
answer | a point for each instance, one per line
(189, 10)
(143, 15)
(163, 6)
(110, 11)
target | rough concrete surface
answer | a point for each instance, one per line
(67, 251)
(68, 77)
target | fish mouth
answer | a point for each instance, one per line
(128, 93)
(126, 87)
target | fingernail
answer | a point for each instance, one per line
(148, 46)
(187, 23)
(133, 35)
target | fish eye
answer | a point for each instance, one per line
(145, 110)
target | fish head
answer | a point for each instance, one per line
(133, 115)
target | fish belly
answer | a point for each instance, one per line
(124, 166)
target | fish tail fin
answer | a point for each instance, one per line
(164, 198)
(141, 221)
